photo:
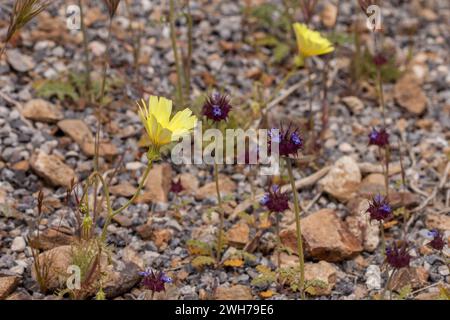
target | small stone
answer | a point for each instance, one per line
(325, 236)
(19, 61)
(162, 238)
(443, 270)
(409, 94)
(157, 185)
(52, 237)
(124, 189)
(189, 182)
(238, 235)
(7, 285)
(346, 148)
(329, 15)
(21, 166)
(343, 179)
(415, 277)
(438, 221)
(97, 48)
(41, 110)
(123, 220)
(354, 103)
(236, 292)
(373, 277)
(52, 169)
(18, 244)
(226, 186)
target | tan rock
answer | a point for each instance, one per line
(367, 232)
(438, 221)
(238, 235)
(82, 135)
(131, 255)
(409, 94)
(189, 182)
(52, 237)
(41, 110)
(416, 277)
(329, 15)
(325, 237)
(125, 189)
(343, 179)
(226, 186)
(7, 285)
(354, 103)
(52, 169)
(145, 230)
(157, 185)
(23, 165)
(162, 238)
(123, 220)
(236, 292)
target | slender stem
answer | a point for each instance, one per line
(138, 190)
(105, 63)
(187, 67)
(310, 100)
(383, 239)
(87, 63)
(388, 283)
(325, 107)
(277, 226)
(221, 213)
(2, 51)
(299, 231)
(173, 37)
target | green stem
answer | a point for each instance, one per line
(87, 64)
(299, 231)
(221, 213)
(112, 214)
(173, 37)
(105, 63)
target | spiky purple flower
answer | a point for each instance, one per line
(176, 187)
(379, 208)
(217, 107)
(154, 281)
(289, 141)
(379, 60)
(379, 137)
(274, 200)
(398, 257)
(438, 242)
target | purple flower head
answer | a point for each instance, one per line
(437, 242)
(154, 281)
(398, 258)
(274, 200)
(379, 60)
(289, 141)
(379, 137)
(379, 208)
(176, 187)
(217, 107)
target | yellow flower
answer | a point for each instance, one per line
(160, 128)
(311, 43)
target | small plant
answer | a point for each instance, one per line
(216, 109)
(155, 281)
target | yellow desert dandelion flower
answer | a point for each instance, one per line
(311, 43)
(160, 128)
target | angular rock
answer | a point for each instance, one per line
(52, 169)
(325, 237)
(52, 238)
(329, 14)
(157, 185)
(189, 182)
(438, 221)
(373, 277)
(416, 277)
(41, 110)
(226, 186)
(238, 235)
(7, 285)
(343, 179)
(82, 135)
(122, 281)
(236, 292)
(354, 103)
(19, 61)
(162, 238)
(409, 94)
(18, 244)
(124, 189)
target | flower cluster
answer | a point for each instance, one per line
(289, 141)
(154, 281)
(380, 60)
(379, 137)
(437, 242)
(379, 208)
(217, 107)
(274, 200)
(398, 258)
